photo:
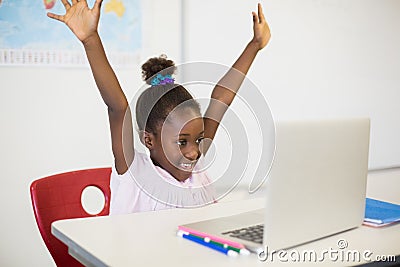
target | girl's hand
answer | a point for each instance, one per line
(261, 30)
(80, 18)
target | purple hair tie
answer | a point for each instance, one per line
(162, 79)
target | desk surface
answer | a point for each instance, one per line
(149, 238)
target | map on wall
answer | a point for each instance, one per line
(29, 37)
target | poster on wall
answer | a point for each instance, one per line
(29, 38)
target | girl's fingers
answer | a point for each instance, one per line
(255, 17)
(66, 4)
(97, 5)
(55, 16)
(260, 13)
(74, 2)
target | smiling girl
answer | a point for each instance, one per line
(169, 121)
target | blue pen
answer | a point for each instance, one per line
(206, 244)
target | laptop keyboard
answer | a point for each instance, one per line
(253, 233)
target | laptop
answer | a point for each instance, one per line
(316, 187)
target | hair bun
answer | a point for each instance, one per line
(156, 65)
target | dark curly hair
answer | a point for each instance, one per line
(157, 101)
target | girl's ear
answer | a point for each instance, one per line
(147, 139)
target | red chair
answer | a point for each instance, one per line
(58, 197)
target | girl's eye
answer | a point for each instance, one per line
(198, 141)
(181, 142)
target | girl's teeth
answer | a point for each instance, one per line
(186, 165)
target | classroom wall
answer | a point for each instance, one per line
(325, 59)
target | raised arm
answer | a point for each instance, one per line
(225, 91)
(83, 22)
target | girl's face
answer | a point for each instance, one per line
(176, 146)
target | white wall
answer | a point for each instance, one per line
(52, 121)
(332, 59)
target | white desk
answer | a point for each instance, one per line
(149, 239)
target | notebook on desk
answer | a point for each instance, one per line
(316, 188)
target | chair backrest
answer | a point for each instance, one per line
(58, 197)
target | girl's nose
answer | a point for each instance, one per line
(193, 153)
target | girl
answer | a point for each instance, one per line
(168, 118)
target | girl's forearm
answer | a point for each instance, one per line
(230, 83)
(104, 76)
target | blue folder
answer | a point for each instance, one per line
(381, 212)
